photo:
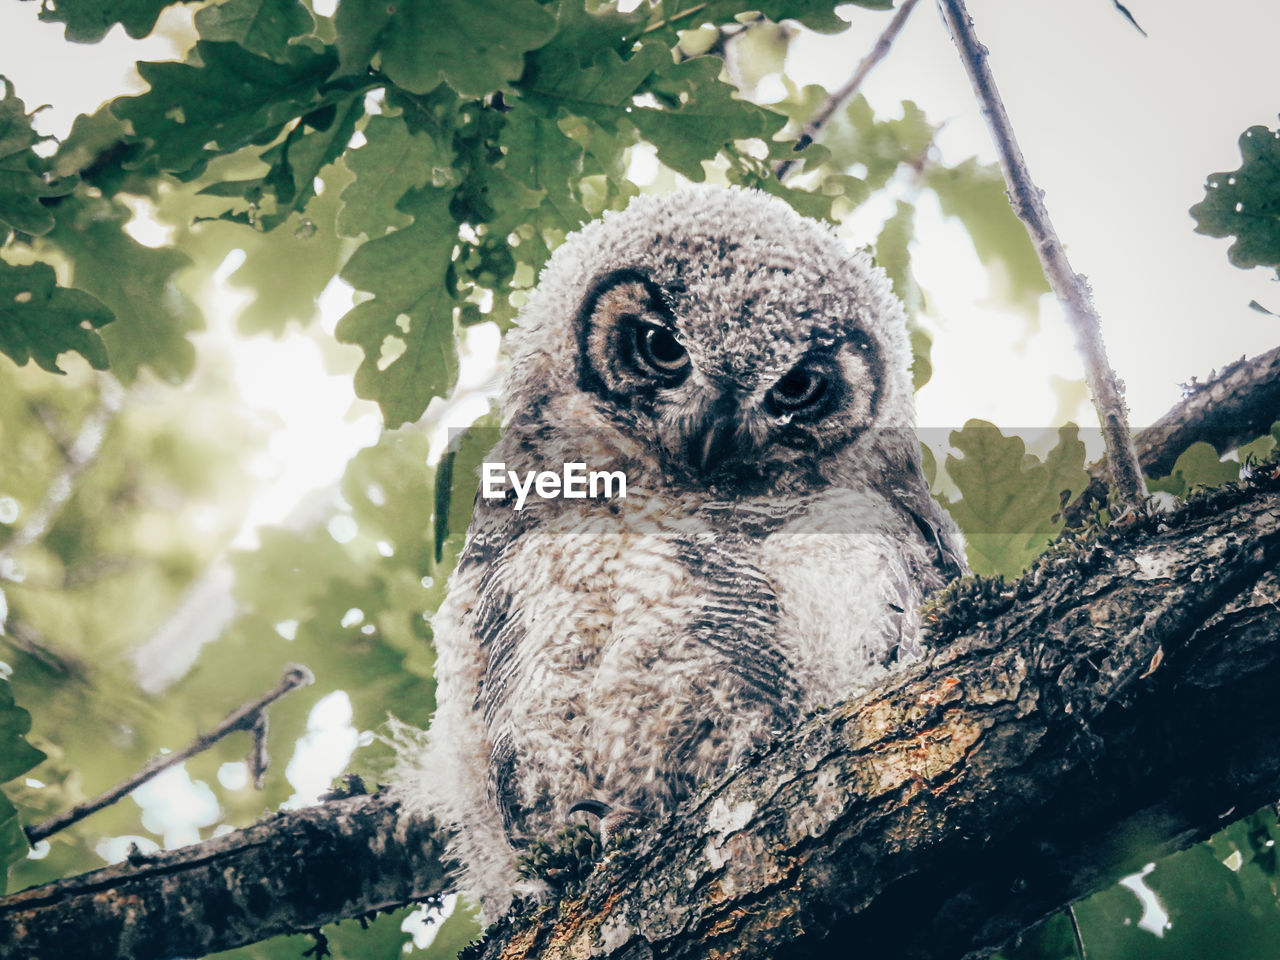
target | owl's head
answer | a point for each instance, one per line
(715, 339)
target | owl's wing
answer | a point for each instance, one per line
(496, 637)
(943, 540)
(455, 776)
(943, 561)
(737, 621)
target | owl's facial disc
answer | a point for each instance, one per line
(713, 416)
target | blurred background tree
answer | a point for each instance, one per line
(310, 201)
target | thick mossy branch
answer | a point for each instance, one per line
(289, 874)
(1113, 705)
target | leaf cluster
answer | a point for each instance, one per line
(466, 140)
(1180, 908)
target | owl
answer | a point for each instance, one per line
(749, 377)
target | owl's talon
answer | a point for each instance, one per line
(597, 808)
(615, 822)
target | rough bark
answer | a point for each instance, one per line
(1115, 704)
(290, 873)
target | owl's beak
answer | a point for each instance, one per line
(716, 438)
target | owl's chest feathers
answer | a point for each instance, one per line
(610, 637)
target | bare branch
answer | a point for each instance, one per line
(245, 717)
(839, 97)
(1072, 289)
(1075, 932)
(291, 873)
(1238, 404)
(683, 15)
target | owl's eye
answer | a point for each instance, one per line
(658, 353)
(803, 390)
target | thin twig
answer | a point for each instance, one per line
(1075, 928)
(244, 717)
(82, 452)
(682, 15)
(1072, 289)
(1124, 11)
(839, 97)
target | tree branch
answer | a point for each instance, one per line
(291, 873)
(1107, 708)
(839, 97)
(1237, 405)
(248, 716)
(1113, 706)
(1072, 289)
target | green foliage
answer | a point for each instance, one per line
(1197, 466)
(369, 938)
(670, 15)
(21, 183)
(883, 145)
(406, 330)
(894, 256)
(108, 571)
(226, 99)
(17, 756)
(496, 130)
(385, 570)
(393, 161)
(1263, 448)
(1010, 499)
(1245, 203)
(309, 255)
(89, 20)
(456, 482)
(260, 26)
(975, 193)
(1225, 891)
(702, 118)
(134, 282)
(39, 320)
(476, 46)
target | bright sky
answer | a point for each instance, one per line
(1120, 131)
